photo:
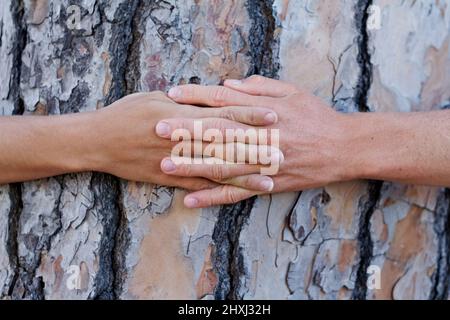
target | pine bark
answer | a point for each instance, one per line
(136, 241)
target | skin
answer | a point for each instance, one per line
(322, 146)
(120, 140)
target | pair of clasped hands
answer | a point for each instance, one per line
(304, 150)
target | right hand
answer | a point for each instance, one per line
(315, 139)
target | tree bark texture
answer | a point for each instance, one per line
(137, 241)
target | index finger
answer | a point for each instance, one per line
(216, 96)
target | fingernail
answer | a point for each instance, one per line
(271, 118)
(175, 93)
(278, 156)
(191, 202)
(168, 166)
(281, 155)
(267, 184)
(234, 83)
(163, 129)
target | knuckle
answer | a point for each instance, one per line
(219, 95)
(181, 124)
(294, 98)
(136, 95)
(247, 182)
(188, 91)
(228, 113)
(231, 195)
(184, 170)
(253, 116)
(217, 124)
(181, 129)
(299, 94)
(257, 79)
(158, 95)
(291, 89)
(210, 200)
(217, 173)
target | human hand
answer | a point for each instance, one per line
(127, 145)
(312, 135)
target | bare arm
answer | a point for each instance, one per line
(403, 147)
(37, 147)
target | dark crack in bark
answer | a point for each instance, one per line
(367, 205)
(12, 245)
(121, 245)
(119, 49)
(441, 277)
(263, 42)
(77, 100)
(133, 73)
(19, 43)
(17, 9)
(364, 56)
(105, 189)
(228, 259)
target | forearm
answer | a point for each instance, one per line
(36, 147)
(402, 147)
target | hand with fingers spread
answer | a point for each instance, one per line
(310, 134)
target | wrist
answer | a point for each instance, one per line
(361, 139)
(81, 151)
(375, 145)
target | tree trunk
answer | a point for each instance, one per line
(93, 236)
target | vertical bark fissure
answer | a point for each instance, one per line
(366, 206)
(12, 246)
(108, 196)
(121, 244)
(119, 49)
(105, 189)
(228, 259)
(364, 56)
(263, 42)
(133, 73)
(441, 276)
(20, 41)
